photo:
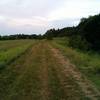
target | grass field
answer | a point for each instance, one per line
(10, 50)
(87, 62)
(41, 70)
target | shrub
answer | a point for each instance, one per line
(49, 38)
(78, 42)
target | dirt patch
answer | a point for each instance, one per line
(71, 70)
(63, 86)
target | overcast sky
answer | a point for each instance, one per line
(36, 16)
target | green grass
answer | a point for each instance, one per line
(57, 88)
(87, 62)
(37, 74)
(10, 50)
(18, 73)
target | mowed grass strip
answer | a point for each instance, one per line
(13, 75)
(26, 78)
(33, 84)
(11, 50)
(37, 75)
(8, 44)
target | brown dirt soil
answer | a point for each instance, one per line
(71, 70)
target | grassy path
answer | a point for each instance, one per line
(40, 74)
(70, 70)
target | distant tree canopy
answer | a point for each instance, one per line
(88, 30)
(85, 35)
(60, 32)
(20, 36)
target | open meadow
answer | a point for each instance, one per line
(47, 70)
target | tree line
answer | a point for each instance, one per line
(85, 36)
(20, 36)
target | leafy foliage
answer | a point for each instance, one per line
(84, 36)
(78, 42)
(20, 36)
(90, 30)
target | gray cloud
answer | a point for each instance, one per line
(27, 8)
(65, 22)
(36, 16)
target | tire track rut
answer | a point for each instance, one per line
(71, 70)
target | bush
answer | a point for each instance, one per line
(89, 28)
(78, 42)
(49, 38)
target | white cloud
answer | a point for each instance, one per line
(39, 15)
(34, 21)
(75, 9)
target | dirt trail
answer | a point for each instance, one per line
(42, 73)
(26, 78)
(71, 71)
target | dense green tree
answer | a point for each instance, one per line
(90, 30)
